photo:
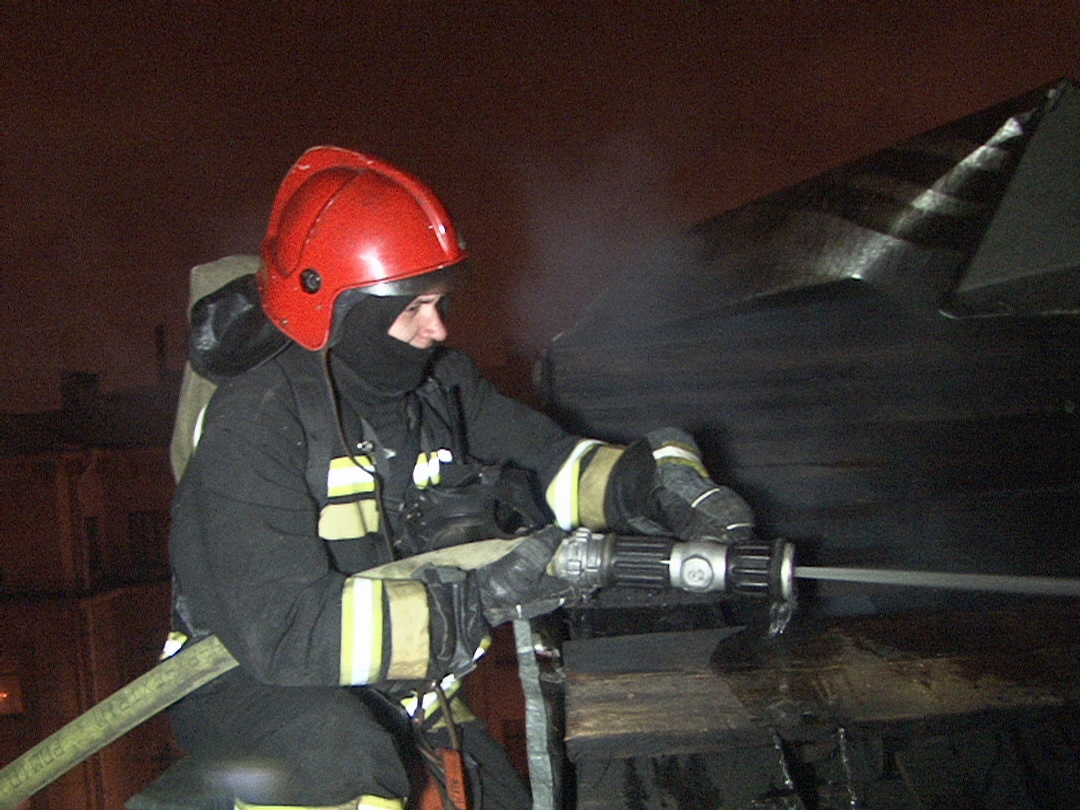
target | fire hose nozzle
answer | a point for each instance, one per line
(750, 569)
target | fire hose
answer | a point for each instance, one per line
(750, 569)
(113, 717)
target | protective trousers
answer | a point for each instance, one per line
(326, 747)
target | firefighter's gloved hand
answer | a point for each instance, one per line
(456, 623)
(517, 586)
(660, 486)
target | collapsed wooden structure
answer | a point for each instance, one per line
(897, 711)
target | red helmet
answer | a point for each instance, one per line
(341, 221)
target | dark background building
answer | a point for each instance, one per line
(84, 581)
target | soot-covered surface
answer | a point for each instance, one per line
(885, 360)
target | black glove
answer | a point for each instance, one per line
(516, 586)
(456, 624)
(660, 486)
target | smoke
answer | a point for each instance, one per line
(586, 221)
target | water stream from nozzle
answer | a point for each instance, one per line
(998, 583)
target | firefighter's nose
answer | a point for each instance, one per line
(434, 327)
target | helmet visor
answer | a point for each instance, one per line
(438, 282)
(443, 281)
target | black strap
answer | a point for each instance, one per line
(444, 404)
(317, 417)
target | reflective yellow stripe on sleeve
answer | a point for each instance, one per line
(410, 644)
(592, 488)
(364, 627)
(679, 454)
(361, 630)
(562, 492)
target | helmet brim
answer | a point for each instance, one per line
(442, 281)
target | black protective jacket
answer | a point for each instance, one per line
(272, 518)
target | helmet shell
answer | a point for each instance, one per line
(341, 221)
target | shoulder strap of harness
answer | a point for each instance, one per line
(309, 385)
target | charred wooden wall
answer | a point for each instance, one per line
(830, 352)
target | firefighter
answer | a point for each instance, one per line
(344, 435)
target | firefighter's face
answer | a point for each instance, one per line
(420, 324)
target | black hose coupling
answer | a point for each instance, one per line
(748, 569)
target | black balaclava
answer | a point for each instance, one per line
(385, 363)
